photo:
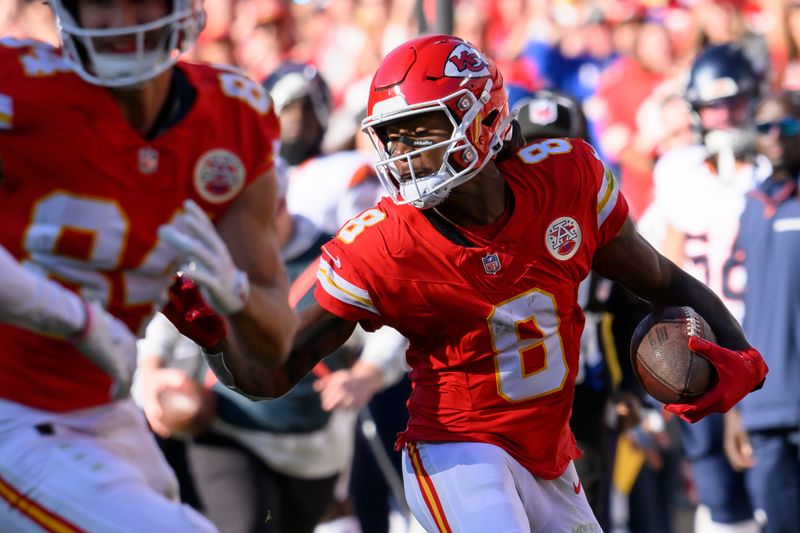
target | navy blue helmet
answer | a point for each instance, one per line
(720, 72)
(291, 81)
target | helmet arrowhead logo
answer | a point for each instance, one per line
(543, 112)
(465, 62)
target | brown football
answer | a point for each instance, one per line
(187, 409)
(662, 361)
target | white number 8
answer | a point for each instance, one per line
(516, 380)
(538, 152)
(245, 89)
(355, 226)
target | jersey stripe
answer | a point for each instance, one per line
(361, 175)
(38, 514)
(302, 284)
(6, 112)
(428, 490)
(607, 196)
(786, 224)
(343, 290)
(610, 350)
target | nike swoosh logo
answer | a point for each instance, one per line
(577, 487)
(335, 259)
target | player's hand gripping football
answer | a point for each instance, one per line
(109, 344)
(738, 373)
(206, 259)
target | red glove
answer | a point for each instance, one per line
(738, 373)
(193, 317)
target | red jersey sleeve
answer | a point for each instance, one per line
(611, 207)
(25, 68)
(342, 287)
(244, 132)
(259, 130)
(267, 135)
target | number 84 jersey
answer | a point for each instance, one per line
(82, 195)
(494, 328)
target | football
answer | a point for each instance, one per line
(187, 409)
(662, 361)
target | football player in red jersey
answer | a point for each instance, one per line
(476, 258)
(107, 144)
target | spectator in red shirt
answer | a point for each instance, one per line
(622, 90)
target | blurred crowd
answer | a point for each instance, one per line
(624, 60)
(624, 63)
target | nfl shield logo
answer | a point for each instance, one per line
(148, 160)
(543, 112)
(491, 263)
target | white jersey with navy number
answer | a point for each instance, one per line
(693, 199)
(330, 189)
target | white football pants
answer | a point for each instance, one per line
(464, 487)
(93, 470)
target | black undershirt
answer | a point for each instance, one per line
(447, 229)
(456, 235)
(179, 101)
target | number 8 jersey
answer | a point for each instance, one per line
(494, 328)
(82, 195)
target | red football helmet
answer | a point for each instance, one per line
(438, 73)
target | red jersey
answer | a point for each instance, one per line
(82, 195)
(494, 329)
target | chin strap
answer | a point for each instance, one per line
(504, 132)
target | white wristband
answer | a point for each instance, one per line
(37, 303)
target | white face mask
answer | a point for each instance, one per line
(134, 67)
(424, 192)
(427, 191)
(737, 140)
(179, 33)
